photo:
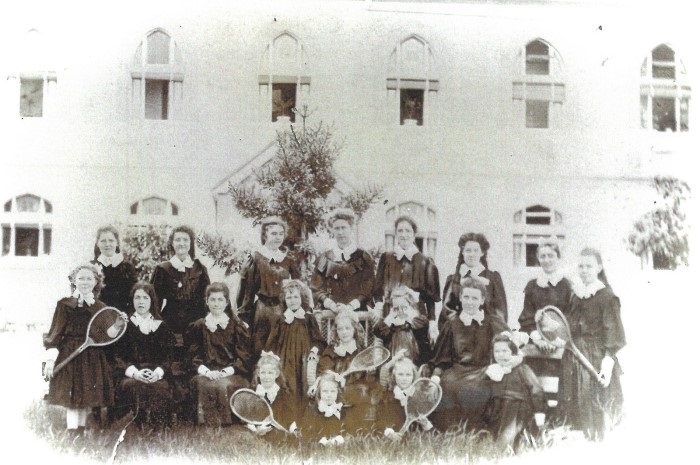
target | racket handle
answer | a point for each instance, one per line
(279, 427)
(584, 361)
(69, 358)
(405, 426)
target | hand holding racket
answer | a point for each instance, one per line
(367, 359)
(425, 397)
(253, 409)
(105, 327)
(553, 326)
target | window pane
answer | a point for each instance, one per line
(537, 209)
(537, 58)
(537, 47)
(664, 114)
(643, 113)
(8, 205)
(412, 105)
(48, 208)
(158, 48)
(47, 241)
(685, 104)
(28, 203)
(531, 255)
(538, 220)
(153, 206)
(663, 53)
(31, 98)
(174, 209)
(156, 99)
(537, 114)
(6, 240)
(26, 242)
(284, 99)
(134, 208)
(663, 70)
(663, 63)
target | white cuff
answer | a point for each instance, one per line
(328, 302)
(51, 354)
(202, 370)
(131, 371)
(535, 335)
(159, 372)
(355, 304)
(228, 371)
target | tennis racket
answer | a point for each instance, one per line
(553, 326)
(367, 359)
(253, 409)
(105, 327)
(424, 400)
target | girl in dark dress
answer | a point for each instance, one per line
(591, 403)
(549, 288)
(407, 266)
(218, 349)
(180, 282)
(119, 274)
(143, 356)
(86, 381)
(344, 276)
(517, 395)
(471, 262)
(270, 385)
(404, 325)
(294, 335)
(462, 352)
(261, 281)
(323, 418)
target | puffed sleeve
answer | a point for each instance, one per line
(272, 343)
(204, 281)
(498, 304)
(159, 281)
(527, 316)
(383, 332)
(315, 335)
(364, 290)
(243, 356)
(194, 343)
(444, 349)
(167, 347)
(54, 337)
(326, 362)
(379, 281)
(431, 291)
(613, 331)
(130, 278)
(318, 286)
(122, 351)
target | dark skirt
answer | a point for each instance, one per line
(152, 400)
(465, 393)
(213, 407)
(506, 418)
(265, 315)
(86, 381)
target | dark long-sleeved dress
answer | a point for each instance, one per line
(421, 275)
(149, 351)
(343, 281)
(596, 329)
(412, 337)
(537, 297)
(292, 342)
(515, 399)
(259, 295)
(118, 281)
(496, 306)
(86, 381)
(315, 425)
(217, 350)
(184, 293)
(462, 352)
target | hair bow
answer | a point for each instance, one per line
(265, 353)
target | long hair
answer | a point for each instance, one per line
(181, 229)
(359, 332)
(110, 229)
(475, 237)
(289, 285)
(151, 291)
(99, 277)
(403, 361)
(590, 251)
(273, 361)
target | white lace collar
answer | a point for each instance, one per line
(276, 255)
(271, 393)
(180, 265)
(409, 253)
(584, 291)
(463, 269)
(402, 395)
(88, 298)
(212, 321)
(330, 410)
(146, 324)
(344, 349)
(339, 253)
(114, 260)
(544, 279)
(467, 318)
(291, 315)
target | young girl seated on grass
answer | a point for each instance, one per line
(323, 418)
(516, 394)
(404, 326)
(218, 350)
(271, 386)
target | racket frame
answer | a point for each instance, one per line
(350, 369)
(409, 421)
(269, 420)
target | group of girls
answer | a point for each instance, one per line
(186, 344)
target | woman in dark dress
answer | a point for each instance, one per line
(549, 288)
(406, 265)
(462, 353)
(589, 402)
(181, 281)
(344, 276)
(143, 357)
(261, 281)
(473, 248)
(119, 274)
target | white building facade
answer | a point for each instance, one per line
(515, 119)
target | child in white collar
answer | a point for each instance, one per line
(323, 419)
(404, 326)
(218, 348)
(270, 385)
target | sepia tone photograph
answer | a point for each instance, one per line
(348, 231)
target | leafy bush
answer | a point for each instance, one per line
(146, 247)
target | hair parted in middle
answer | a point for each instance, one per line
(271, 221)
(96, 271)
(289, 285)
(217, 287)
(473, 237)
(182, 229)
(106, 229)
(151, 291)
(351, 317)
(341, 214)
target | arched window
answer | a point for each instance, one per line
(157, 74)
(26, 226)
(152, 210)
(532, 224)
(425, 218)
(284, 82)
(664, 91)
(34, 75)
(538, 90)
(411, 83)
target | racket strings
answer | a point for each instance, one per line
(369, 358)
(106, 326)
(425, 398)
(553, 325)
(250, 407)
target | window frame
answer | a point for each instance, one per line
(13, 220)
(425, 217)
(526, 233)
